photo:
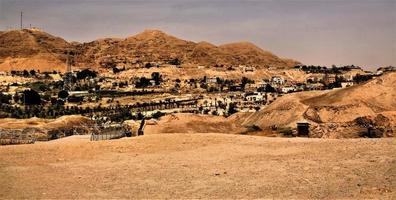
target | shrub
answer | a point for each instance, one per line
(175, 61)
(63, 94)
(157, 115)
(285, 131)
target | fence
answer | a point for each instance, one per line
(16, 141)
(16, 136)
(109, 133)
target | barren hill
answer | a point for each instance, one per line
(31, 49)
(372, 103)
(34, 49)
(157, 46)
(248, 53)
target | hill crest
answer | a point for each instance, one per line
(147, 46)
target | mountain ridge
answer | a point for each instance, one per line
(148, 46)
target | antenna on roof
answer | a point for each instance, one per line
(21, 20)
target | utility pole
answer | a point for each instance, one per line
(68, 63)
(21, 20)
(67, 84)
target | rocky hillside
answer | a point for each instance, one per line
(336, 113)
(31, 49)
(157, 46)
(34, 49)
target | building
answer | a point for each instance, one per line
(287, 89)
(78, 93)
(278, 80)
(302, 128)
(257, 96)
(379, 73)
(329, 79)
(346, 84)
(211, 80)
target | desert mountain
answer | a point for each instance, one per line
(157, 46)
(34, 49)
(31, 49)
(246, 52)
(340, 111)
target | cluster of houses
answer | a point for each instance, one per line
(218, 96)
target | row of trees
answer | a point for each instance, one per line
(323, 69)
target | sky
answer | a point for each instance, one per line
(314, 32)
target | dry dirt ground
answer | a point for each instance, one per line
(200, 166)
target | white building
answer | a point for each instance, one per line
(211, 80)
(346, 84)
(278, 80)
(78, 93)
(257, 96)
(288, 89)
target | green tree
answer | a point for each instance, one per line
(231, 109)
(32, 72)
(31, 97)
(63, 94)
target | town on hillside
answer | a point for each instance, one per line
(119, 93)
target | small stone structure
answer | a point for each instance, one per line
(302, 128)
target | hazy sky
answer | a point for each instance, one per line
(320, 32)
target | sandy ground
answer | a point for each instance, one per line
(200, 166)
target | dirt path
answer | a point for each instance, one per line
(200, 166)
